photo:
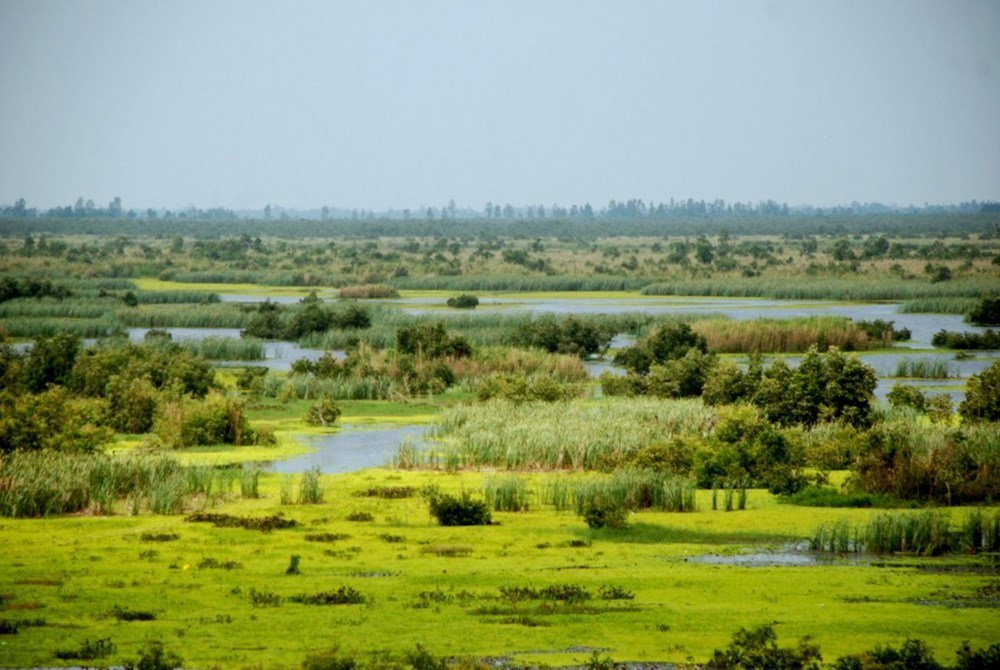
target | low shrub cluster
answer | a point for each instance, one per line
(460, 511)
(264, 524)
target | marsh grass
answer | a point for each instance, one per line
(310, 487)
(556, 436)
(926, 533)
(923, 368)
(947, 305)
(506, 493)
(792, 335)
(216, 348)
(829, 288)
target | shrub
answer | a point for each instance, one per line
(606, 516)
(324, 412)
(982, 396)
(986, 313)
(463, 301)
(757, 648)
(216, 420)
(904, 395)
(463, 511)
(344, 595)
(154, 657)
(912, 655)
(89, 651)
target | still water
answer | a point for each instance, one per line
(351, 448)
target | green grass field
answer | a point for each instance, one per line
(440, 586)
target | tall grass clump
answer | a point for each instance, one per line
(951, 305)
(980, 531)
(48, 483)
(564, 436)
(216, 348)
(624, 489)
(793, 335)
(927, 533)
(310, 387)
(507, 493)
(923, 368)
(310, 488)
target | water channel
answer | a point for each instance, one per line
(352, 448)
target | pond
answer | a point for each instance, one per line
(351, 448)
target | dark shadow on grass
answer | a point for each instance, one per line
(648, 533)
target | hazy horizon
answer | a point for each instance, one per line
(394, 105)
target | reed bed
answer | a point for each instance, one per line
(926, 533)
(804, 288)
(949, 305)
(262, 277)
(176, 297)
(50, 308)
(557, 436)
(794, 335)
(525, 283)
(48, 483)
(216, 348)
(365, 291)
(624, 489)
(923, 368)
(104, 326)
(310, 387)
(186, 316)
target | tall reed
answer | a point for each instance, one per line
(793, 335)
(855, 288)
(923, 368)
(573, 435)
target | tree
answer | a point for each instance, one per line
(982, 396)
(51, 361)
(986, 313)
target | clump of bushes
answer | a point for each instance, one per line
(518, 388)
(463, 301)
(460, 511)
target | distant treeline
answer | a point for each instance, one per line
(202, 225)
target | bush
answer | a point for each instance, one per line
(463, 511)
(154, 657)
(463, 301)
(216, 420)
(986, 313)
(757, 649)
(904, 395)
(606, 516)
(982, 396)
(913, 655)
(323, 413)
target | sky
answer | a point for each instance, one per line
(383, 104)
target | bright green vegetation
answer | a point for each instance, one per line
(220, 595)
(658, 516)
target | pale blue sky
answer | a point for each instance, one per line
(407, 104)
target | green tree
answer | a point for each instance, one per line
(982, 396)
(50, 361)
